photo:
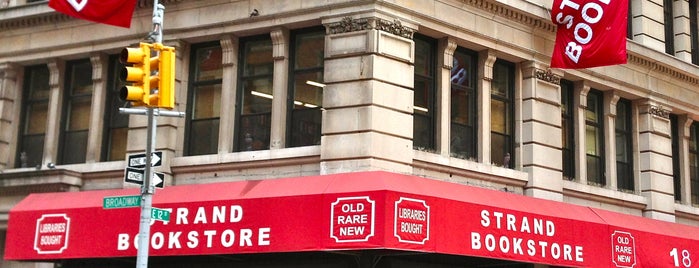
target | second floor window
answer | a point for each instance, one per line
(255, 111)
(463, 104)
(423, 93)
(502, 114)
(624, 146)
(594, 138)
(676, 174)
(76, 113)
(204, 101)
(567, 129)
(306, 87)
(694, 162)
(35, 111)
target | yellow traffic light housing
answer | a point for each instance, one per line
(152, 78)
(166, 77)
(136, 71)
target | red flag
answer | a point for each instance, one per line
(590, 33)
(112, 12)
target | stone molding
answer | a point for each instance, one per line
(548, 76)
(348, 24)
(659, 111)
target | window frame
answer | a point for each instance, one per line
(191, 86)
(599, 177)
(568, 129)
(627, 183)
(66, 151)
(241, 78)
(509, 124)
(111, 113)
(431, 84)
(693, 153)
(27, 103)
(471, 146)
(293, 71)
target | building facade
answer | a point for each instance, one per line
(455, 91)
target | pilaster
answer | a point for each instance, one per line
(99, 88)
(656, 182)
(647, 23)
(580, 104)
(10, 93)
(486, 60)
(447, 46)
(610, 99)
(683, 35)
(229, 86)
(541, 154)
(280, 54)
(368, 100)
(53, 128)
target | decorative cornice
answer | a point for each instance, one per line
(513, 14)
(348, 24)
(548, 76)
(394, 27)
(656, 66)
(659, 111)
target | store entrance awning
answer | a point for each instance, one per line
(350, 211)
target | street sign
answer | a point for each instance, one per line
(136, 176)
(139, 160)
(159, 214)
(127, 201)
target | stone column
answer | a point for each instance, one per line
(229, 89)
(53, 128)
(609, 120)
(541, 131)
(683, 35)
(10, 93)
(368, 100)
(655, 146)
(100, 63)
(445, 58)
(486, 60)
(280, 54)
(580, 104)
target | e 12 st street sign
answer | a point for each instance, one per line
(136, 176)
(159, 214)
(139, 160)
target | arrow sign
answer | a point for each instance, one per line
(136, 175)
(139, 160)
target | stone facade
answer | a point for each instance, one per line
(368, 99)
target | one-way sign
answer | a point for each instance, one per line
(139, 160)
(136, 176)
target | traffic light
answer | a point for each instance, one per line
(166, 77)
(137, 71)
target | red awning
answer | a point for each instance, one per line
(364, 210)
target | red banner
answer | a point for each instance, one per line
(112, 12)
(590, 33)
(368, 210)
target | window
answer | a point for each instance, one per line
(624, 146)
(256, 73)
(76, 113)
(35, 111)
(463, 104)
(676, 176)
(116, 125)
(594, 138)
(502, 114)
(423, 93)
(669, 27)
(694, 162)
(568, 129)
(204, 100)
(306, 87)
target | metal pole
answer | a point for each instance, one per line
(148, 189)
